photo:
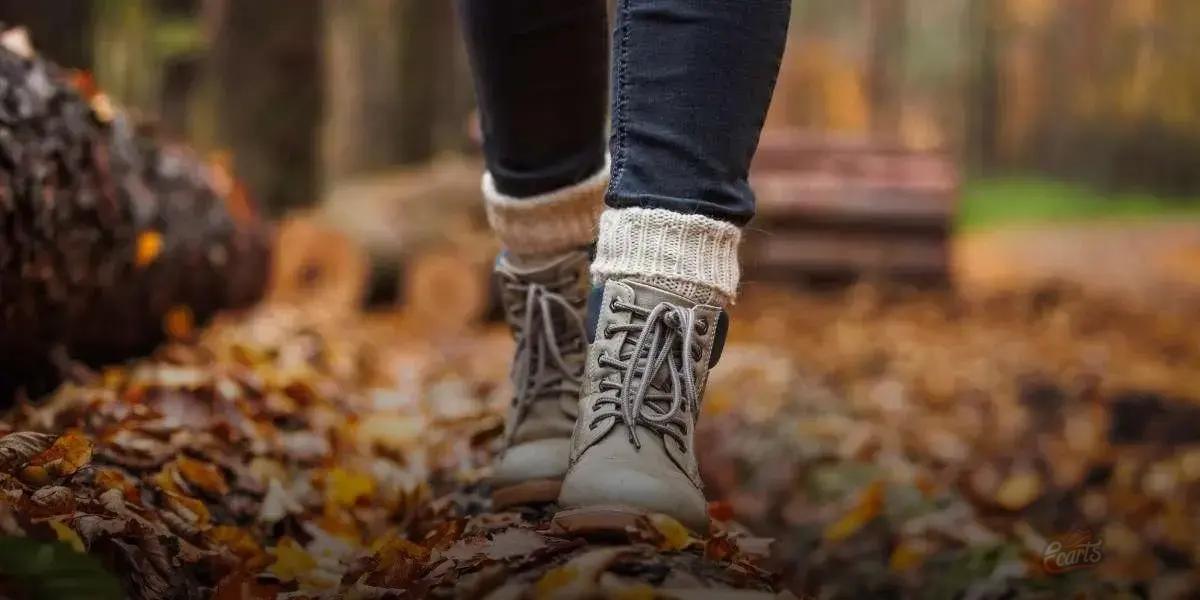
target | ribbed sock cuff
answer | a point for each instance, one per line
(691, 255)
(548, 223)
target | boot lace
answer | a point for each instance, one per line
(665, 337)
(547, 327)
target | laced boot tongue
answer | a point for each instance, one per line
(649, 297)
(543, 303)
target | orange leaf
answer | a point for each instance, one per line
(720, 548)
(179, 322)
(241, 544)
(149, 246)
(720, 510)
(866, 508)
(112, 479)
(202, 475)
(189, 508)
(244, 586)
(70, 452)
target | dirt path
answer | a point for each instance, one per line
(1140, 260)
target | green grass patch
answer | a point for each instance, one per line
(991, 202)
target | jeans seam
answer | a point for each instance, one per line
(622, 96)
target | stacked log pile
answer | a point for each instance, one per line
(844, 208)
(104, 233)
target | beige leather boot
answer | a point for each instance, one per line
(632, 449)
(545, 305)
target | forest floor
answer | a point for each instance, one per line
(892, 443)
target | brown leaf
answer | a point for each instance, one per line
(17, 448)
(514, 542)
(50, 501)
(242, 585)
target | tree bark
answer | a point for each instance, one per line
(268, 76)
(885, 78)
(398, 89)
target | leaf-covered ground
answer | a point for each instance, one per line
(893, 445)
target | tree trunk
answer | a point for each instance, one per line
(982, 110)
(108, 238)
(398, 89)
(268, 76)
(885, 77)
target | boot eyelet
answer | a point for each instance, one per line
(612, 305)
(608, 332)
(702, 325)
(697, 353)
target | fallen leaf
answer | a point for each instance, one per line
(1019, 490)
(346, 488)
(70, 452)
(514, 542)
(17, 448)
(278, 503)
(202, 475)
(66, 535)
(673, 534)
(241, 544)
(149, 244)
(241, 585)
(868, 505)
(553, 581)
(291, 560)
(179, 322)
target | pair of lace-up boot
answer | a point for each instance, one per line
(605, 404)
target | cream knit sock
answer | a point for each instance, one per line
(690, 255)
(550, 223)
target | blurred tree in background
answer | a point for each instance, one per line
(306, 93)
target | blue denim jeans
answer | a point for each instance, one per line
(691, 82)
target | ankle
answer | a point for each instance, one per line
(547, 225)
(692, 256)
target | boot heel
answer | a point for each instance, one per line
(537, 491)
(597, 521)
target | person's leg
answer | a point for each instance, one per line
(541, 72)
(541, 79)
(692, 82)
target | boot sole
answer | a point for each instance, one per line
(602, 520)
(537, 491)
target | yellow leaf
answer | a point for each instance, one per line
(554, 580)
(906, 556)
(67, 536)
(291, 560)
(866, 508)
(149, 246)
(344, 488)
(1019, 490)
(675, 535)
